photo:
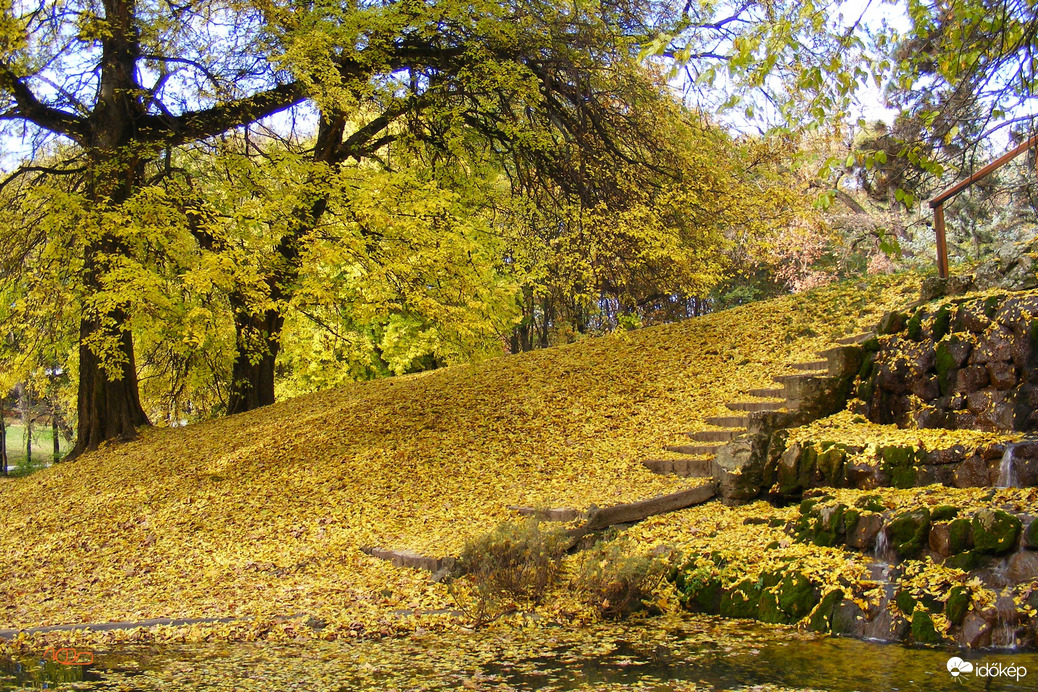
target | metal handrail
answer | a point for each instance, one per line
(937, 203)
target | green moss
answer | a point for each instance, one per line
(957, 604)
(944, 513)
(870, 345)
(829, 527)
(808, 506)
(769, 610)
(941, 322)
(1031, 535)
(991, 304)
(908, 531)
(867, 365)
(958, 535)
(915, 326)
(831, 464)
(995, 531)
(945, 364)
(850, 520)
(822, 616)
(966, 561)
(891, 323)
(742, 600)
(870, 503)
(797, 596)
(923, 631)
(806, 466)
(899, 463)
(905, 602)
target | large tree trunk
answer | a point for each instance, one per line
(109, 405)
(258, 344)
(108, 402)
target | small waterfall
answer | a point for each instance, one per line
(1007, 470)
(881, 549)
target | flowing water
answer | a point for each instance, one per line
(1006, 470)
(691, 653)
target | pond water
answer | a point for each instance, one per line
(694, 653)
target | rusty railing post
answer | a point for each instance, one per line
(942, 244)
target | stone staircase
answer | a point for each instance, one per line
(697, 456)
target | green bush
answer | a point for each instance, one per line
(615, 582)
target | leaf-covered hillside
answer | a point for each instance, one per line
(264, 514)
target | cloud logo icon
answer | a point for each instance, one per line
(957, 667)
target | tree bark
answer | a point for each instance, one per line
(252, 377)
(108, 401)
(3, 440)
(258, 334)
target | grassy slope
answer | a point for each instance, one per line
(264, 513)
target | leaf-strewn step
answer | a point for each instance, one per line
(693, 449)
(716, 435)
(728, 421)
(813, 366)
(693, 468)
(775, 393)
(755, 405)
(855, 339)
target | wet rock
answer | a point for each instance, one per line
(975, 632)
(923, 631)
(822, 615)
(1002, 375)
(1022, 566)
(995, 531)
(908, 530)
(926, 387)
(848, 619)
(863, 535)
(970, 379)
(1031, 535)
(973, 317)
(829, 527)
(949, 455)
(996, 345)
(972, 473)
(940, 539)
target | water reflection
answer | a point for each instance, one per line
(685, 654)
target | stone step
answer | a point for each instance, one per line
(750, 406)
(604, 517)
(813, 366)
(776, 393)
(548, 514)
(686, 468)
(855, 339)
(716, 435)
(693, 449)
(728, 421)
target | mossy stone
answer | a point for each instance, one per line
(923, 631)
(944, 513)
(1031, 534)
(891, 323)
(707, 597)
(797, 596)
(958, 535)
(870, 345)
(829, 527)
(769, 610)
(808, 506)
(822, 616)
(991, 304)
(995, 531)
(957, 605)
(850, 520)
(830, 463)
(899, 463)
(741, 600)
(870, 503)
(905, 602)
(915, 326)
(941, 322)
(806, 466)
(909, 530)
(867, 365)
(965, 561)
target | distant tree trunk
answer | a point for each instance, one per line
(54, 432)
(258, 334)
(252, 377)
(3, 441)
